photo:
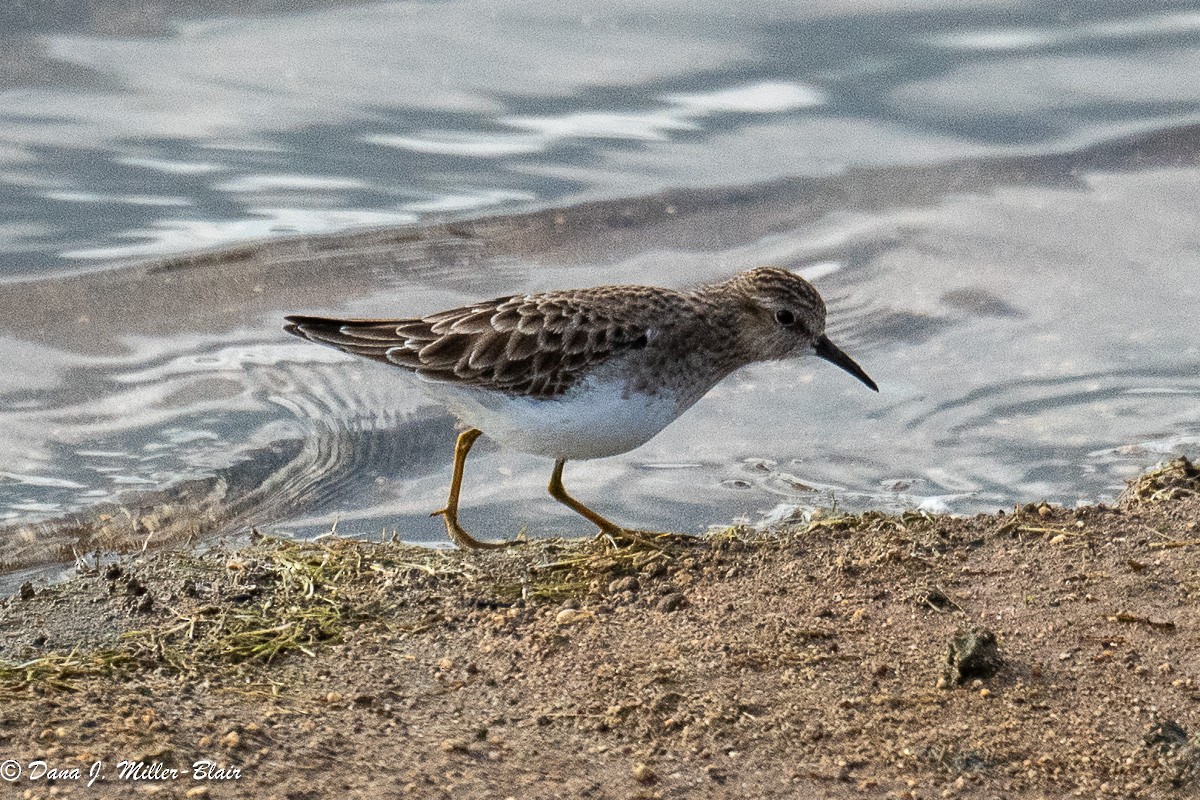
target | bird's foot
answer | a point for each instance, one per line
(465, 540)
(619, 538)
(616, 536)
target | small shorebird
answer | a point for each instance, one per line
(587, 373)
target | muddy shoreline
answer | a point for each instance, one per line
(813, 660)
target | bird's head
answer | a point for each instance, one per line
(783, 316)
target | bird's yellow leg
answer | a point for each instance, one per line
(450, 512)
(559, 493)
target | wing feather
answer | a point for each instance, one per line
(534, 345)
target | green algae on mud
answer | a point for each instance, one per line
(232, 612)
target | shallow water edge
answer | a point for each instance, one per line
(219, 293)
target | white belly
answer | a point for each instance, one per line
(592, 420)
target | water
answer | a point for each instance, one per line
(997, 200)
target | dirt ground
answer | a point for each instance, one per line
(1041, 653)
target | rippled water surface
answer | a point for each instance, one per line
(998, 201)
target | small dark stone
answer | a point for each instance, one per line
(26, 592)
(643, 774)
(113, 572)
(144, 603)
(1166, 735)
(969, 761)
(629, 584)
(654, 569)
(971, 655)
(672, 602)
(715, 773)
(39, 640)
(935, 598)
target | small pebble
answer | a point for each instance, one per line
(671, 602)
(567, 616)
(654, 569)
(628, 584)
(643, 774)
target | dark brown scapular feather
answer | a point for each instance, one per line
(403, 357)
(475, 323)
(520, 347)
(446, 350)
(488, 349)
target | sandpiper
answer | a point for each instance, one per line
(587, 373)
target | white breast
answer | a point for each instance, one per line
(592, 420)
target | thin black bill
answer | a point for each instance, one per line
(830, 352)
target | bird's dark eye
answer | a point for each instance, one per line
(785, 317)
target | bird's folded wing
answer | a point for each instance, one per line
(536, 345)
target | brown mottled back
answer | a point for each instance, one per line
(535, 345)
(540, 345)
